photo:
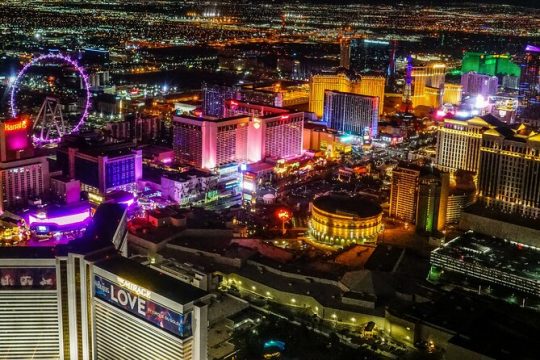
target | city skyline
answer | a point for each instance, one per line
(249, 180)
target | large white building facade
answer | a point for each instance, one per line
(51, 306)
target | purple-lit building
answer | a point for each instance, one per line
(46, 286)
(102, 168)
(59, 218)
(530, 68)
(23, 176)
(479, 84)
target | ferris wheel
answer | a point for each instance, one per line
(49, 125)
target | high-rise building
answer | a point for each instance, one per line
(22, 180)
(426, 76)
(351, 113)
(249, 133)
(320, 83)
(208, 142)
(214, 97)
(489, 64)
(452, 93)
(432, 201)
(140, 130)
(343, 82)
(510, 82)
(282, 135)
(458, 143)
(161, 317)
(479, 84)
(22, 176)
(78, 299)
(46, 292)
(433, 97)
(404, 194)
(530, 73)
(274, 132)
(371, 55)
(101, 167)
(509, 171)
(419, 194)
(371, 85)
(345, 52)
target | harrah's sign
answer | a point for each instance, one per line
(18, 124)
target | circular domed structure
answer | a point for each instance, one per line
(340, 220)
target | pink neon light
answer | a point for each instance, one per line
(234, 103)
(79, 70)
(440, 113)
(284, 117)
(61, 220)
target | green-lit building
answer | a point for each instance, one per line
(494, 64)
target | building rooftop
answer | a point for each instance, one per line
(154, 174)
(494, 253)
(480, 210)
(105, 221)
(496, 329)
(152, 280)
(347, 205)
(150, 151)
(209, 119)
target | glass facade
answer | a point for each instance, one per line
(119, 172)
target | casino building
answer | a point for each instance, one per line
(22, 175)
(160, 317)
(340, 220)
(50, 309)
(100, 167)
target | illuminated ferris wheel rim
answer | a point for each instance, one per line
(67, 60)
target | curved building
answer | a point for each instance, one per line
(339, 220)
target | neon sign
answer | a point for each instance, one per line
(283, 214)
(134, 287)
(16, 125)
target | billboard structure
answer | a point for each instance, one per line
(136, 300)
(26, 278)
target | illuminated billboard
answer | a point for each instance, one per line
(22, 278)
(135, 300)
(16, 137)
